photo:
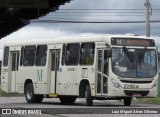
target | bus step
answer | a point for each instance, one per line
(53, 95)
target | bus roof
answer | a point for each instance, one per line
(95, 38)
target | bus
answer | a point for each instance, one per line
(106, 67)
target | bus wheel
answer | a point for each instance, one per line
(127, 101)
(30, 96)
(89, 100)
(67, 99)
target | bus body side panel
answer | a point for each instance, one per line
(4, 79)
(41, 81)
(38, 76)
(10, 73)
(70, 78)
(88, 73)
(4, 76)
(21, 80)
(35, 74)
(67, 81)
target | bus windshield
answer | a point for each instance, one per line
(134, 63)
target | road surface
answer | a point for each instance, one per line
(53, 107)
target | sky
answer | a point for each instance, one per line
(92, 10)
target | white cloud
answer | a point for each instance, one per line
(36, 33)
(30, 33)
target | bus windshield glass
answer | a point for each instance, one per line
(134, 63)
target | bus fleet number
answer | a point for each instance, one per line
(131, 86)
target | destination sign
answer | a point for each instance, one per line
(133, 42)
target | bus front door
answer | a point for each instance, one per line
(55, 58)
(102, 73)
(14, 70)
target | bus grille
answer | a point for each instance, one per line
(130, 93)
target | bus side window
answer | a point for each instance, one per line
(63, 54)
(22, 50)
(105, 66)
(13, 61)
(29, 56)
(87, 53)
(72, 54)
(6, 55)
(41, 55)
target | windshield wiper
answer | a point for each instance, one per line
(127, 53)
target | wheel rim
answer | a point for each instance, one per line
(29, 93)
(85, 94)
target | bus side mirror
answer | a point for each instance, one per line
(109, 53)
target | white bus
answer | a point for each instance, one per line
(109, 67)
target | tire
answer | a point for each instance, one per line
(127, 101)
(89, 100)
(67, 99)
(30, 96)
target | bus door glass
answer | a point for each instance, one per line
(102, 73)
(55, 58)
(14, 74)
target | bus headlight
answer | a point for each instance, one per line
(155, 84)
(115, 83)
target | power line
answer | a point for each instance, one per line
(99, 12)
(90, 15)
(98, 16)
(74, 21)
(103, 9)
(103, 12)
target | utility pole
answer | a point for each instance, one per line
(147, 4)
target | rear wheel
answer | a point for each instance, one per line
(30, 96)
(127, 101)
(89, 100)
(67, 99)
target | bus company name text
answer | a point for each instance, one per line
(21, 112)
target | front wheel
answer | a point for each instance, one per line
(127, 101)
(89, 100)
(30, 96)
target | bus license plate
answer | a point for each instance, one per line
(136, 95)
(131, 86)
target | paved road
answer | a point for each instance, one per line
(53, 107)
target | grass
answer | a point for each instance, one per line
(149, 100)
(1, 92)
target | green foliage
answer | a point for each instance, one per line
(0, 91)
(149, 100)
